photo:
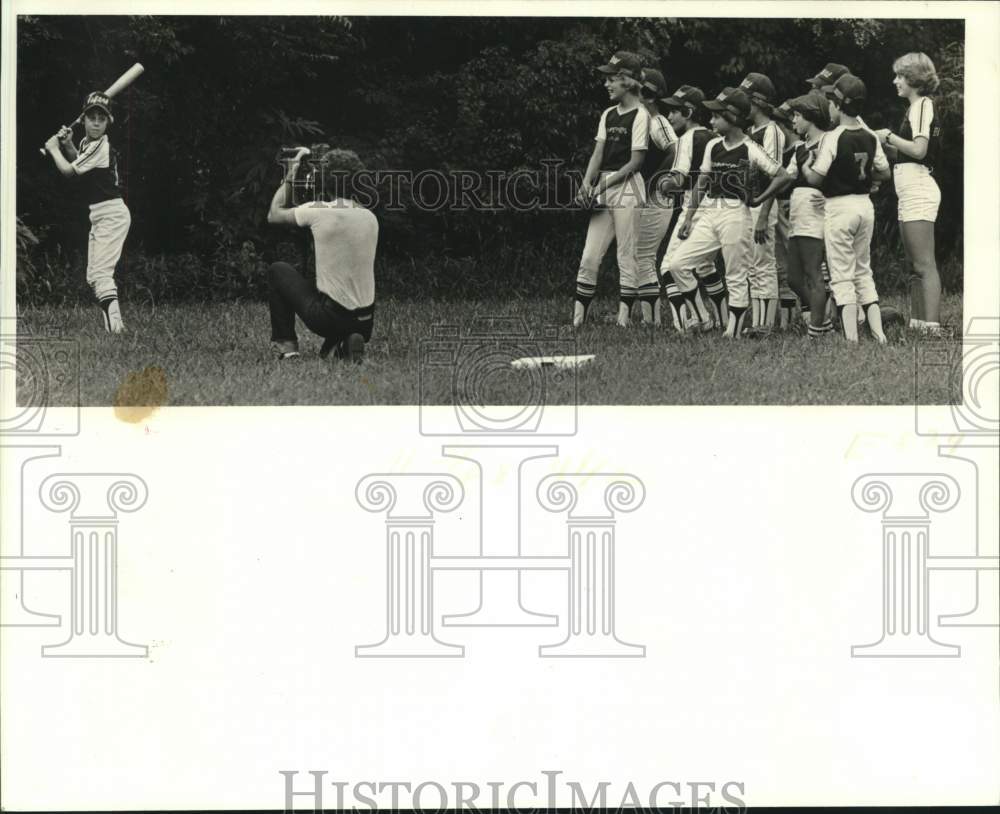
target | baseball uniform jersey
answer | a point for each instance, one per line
(622, 133)
(846, 157)
(724, 223)
(762, 272)
(96, 164)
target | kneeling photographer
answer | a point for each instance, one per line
(339, 304)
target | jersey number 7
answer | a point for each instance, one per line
(861, 159)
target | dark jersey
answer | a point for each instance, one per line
(97, 165)
(690, 153)
(802, 154)
(920, 121)
(846, 158)
(622, 133)
(731, 170)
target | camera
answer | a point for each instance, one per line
(471, 373)
(956, 383)
(40, 383)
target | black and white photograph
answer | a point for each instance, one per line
(259, 210)
(527, 405)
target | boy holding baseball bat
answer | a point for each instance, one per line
(96, 164)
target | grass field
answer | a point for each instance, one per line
(219, 354)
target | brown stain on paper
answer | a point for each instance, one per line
(140, 394)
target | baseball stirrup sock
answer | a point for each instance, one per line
(585, 293)
(821, 330)
(675, 300)
(716, 291)
(737, 316)
(112, 311)
(648, 303)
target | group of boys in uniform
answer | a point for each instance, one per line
(743, 189)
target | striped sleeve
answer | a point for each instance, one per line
(640, 131)
(93, 154)
(774, 142)
(760, 159)
(827, 151)
(661, 133)
(684, 154)
(880, 162)
(921, 117)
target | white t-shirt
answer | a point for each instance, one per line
(345, 235)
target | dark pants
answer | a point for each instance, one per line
(290, 294)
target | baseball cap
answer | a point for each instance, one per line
(684, 95)
(847, 89)
(732, 102)
(830, 74)
(760, 89)
(623, 62)
(653, 83)
(783, 112)
(100, 101)
(815, 103)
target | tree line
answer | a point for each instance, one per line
(199, 132)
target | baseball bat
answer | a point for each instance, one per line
(115, 88)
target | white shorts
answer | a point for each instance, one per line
(807, 213)
(918, 192)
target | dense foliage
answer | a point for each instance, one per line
(200, 131)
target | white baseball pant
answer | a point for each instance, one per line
(653, 222)
(721, 224)
(109, 224)
(686, 281)
(847, 234)
(762, 270)
(616, 220)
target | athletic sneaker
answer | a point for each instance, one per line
(285, 349)
(351, 349)
(113, 322)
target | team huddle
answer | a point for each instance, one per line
(775, 215)
(780, 193)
